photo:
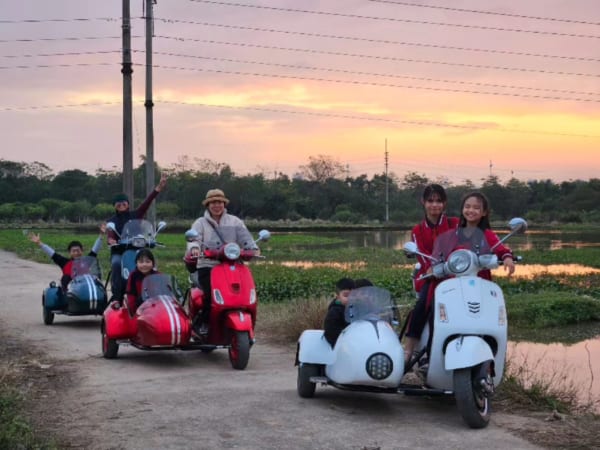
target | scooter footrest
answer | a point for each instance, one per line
(323, 380)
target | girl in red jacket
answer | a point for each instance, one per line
(145, 265)
(434, 201)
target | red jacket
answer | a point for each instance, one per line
(424, 234)
(134, 289)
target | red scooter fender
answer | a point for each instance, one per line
(237, 320)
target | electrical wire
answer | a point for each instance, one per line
(374, 74)
(378, 41)
(493, 13)
(392, 19)
(385, 58)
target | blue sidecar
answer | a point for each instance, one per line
(85, 293)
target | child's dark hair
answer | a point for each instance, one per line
(434, 189)
(145, 253)
(484, 223)
(343, 284)
(74, 244)
(362, 282)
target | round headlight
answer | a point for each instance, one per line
(379, 366)
(459, 261)
(232, 251)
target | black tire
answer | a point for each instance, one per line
(239, 350)
(47, 315)
(472, 404)
(306, 388)
(110, 347)
(207, 350)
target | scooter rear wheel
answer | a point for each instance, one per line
(473, 405)
(47, 315)
(239, 350)
(306, 388)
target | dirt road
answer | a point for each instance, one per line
(190, 400)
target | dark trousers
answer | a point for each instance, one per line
(204, 282)
(117, 284)
(419, 314)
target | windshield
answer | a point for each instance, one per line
(138, 228)
(460, 238)
(157, 284)
(85, 265)
(225, 234)
(369, 303)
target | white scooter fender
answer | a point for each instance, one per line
(466, 351)
(313, 348)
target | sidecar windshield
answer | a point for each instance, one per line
(85, 265)
(369, 303)
(460, 238)
(137, 228)
(226, 234)
(157, 284)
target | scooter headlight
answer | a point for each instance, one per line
(379, 366)
(459, 261)
(138, 242)
(232, 251)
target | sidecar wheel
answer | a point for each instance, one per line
(110, 348)
(48, 316)
(472, 404)
(306, 388)
(239, 351)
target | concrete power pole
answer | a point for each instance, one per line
(126, 70)
(387, 187)
(149, 105)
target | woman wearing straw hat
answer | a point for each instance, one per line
(215, 216)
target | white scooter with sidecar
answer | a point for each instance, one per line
(466, 348)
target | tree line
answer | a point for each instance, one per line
(321, 190)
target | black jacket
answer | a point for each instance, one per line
(334, 321)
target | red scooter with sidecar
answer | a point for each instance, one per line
(160, 322)
(233, 293)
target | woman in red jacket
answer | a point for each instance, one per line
(434, 201)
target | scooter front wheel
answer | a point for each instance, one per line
(110, 347)
(239, 350)
(471, 401)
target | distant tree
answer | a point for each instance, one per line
(322, 168)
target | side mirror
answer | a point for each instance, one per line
(517, 225)
(264, 235)
(410, 248)
(112, 227)
(161, 225)
(191, 235)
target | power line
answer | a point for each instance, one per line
(494, 13)
(314, 114)
(52, 66)
(45, 55)
(392, 19)
(81, 19)
(386, 58)
(5, 41)
(379, 41)
(352, 72)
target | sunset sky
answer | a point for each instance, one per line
(460, 89)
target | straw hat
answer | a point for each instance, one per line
(215, 195)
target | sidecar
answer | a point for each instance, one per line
(367, 355)
(85, 295)
(160, 322)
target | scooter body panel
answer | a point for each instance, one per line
(469, 328)
(358, 343)
(162, 322)
(313, 348)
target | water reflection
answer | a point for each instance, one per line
(563, 366)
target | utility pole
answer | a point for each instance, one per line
(149, 105)
(387, 188)
(126, 70)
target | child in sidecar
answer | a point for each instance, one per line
(145, 265)
(334, 319)
(75, 249)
